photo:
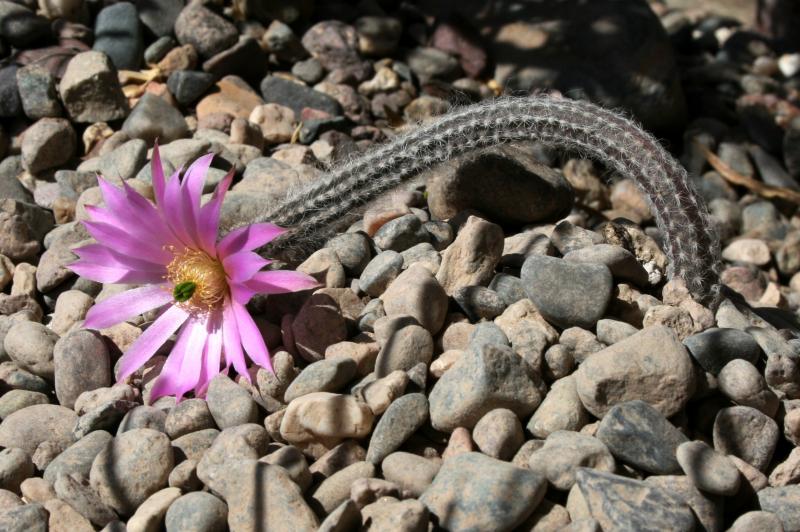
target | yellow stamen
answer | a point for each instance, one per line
(204, 272)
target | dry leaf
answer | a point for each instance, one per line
(760, 188)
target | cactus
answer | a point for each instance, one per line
(606, 136)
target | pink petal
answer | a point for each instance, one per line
(212, 356)
(149, 213)
(173, 211)
(129, 211)
(252, 340)
(281, 282)
(208, 219)
(247, 238)
(104, 256)
(240, 292)
(110, 274)
(189, 375)
(193, 182)
(166, 384)
(232, 342)
(157, 173)
(122, 306)
(124, 243)
(151, 339)
(241, 266)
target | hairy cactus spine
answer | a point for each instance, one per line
(689, 239)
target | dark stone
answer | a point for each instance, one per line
(37, 90)
(500, 496)
(401, 233)
(402, 419)
(281, 41)
(159, 16)
(21, 27)
(567, 294)
(509, 288)
(783, 502)
(208, 32)
(639, 435)
(715, 347)
(315, 127)
(309, 70)
(484, 378)
(153, 118)
(479, 302)
(187, 86)
(10, 187)
(118, 34)
(10, 102)
(245, 59)
(620, 503)
(160, 47)
(297, 97)
(505, 183)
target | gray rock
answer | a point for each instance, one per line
(78, 457)
(131, 467)
(161, 46)
(709, 470)
(11, 105)
(10, 187)
(567, 293)
(188, 85)
(746, 433)
(297, 97)
(509, 288)
(561, 409)
(193, 445)
(472, 257)
(479, 302)
(30, 426)
(335, 45)
(104, 417)
(486, 333)
(410, 472)
(15, 466)
(499, 434)
(27, 518)
(244, 442)
(402, 419)
(335, 489)
(31, 345)
(567, 237)
(198, 511)
(417, 293)
(741, 382)
(403, 348)
(401, 233)
(616, 501)
(266, 490)
(564, 452)
(505, 183)
(73, 489)
(708, 508)
(14, 400)
(481, 380)
(612, 331)
(327, 375)
(188, 416)
(22, 228)
(353, 249)
(82, 363)
(208, 32)
(294, 462)
(279, 39)
(501, 496)
(621, 262)
(651, 365)
(123, 162)
(90, 89)
(715, 347)
(783, 502)
(16, 378)
(431, 63)
(757, 520)
(37, 90)
(380, 272)
(153, 118)
(159, 16)
(143, 417)
(229, 403)
(118, 34)
(639, 435)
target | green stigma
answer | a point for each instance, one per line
(184, 291)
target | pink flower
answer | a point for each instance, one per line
(171, 249)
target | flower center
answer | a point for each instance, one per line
(198, 279)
